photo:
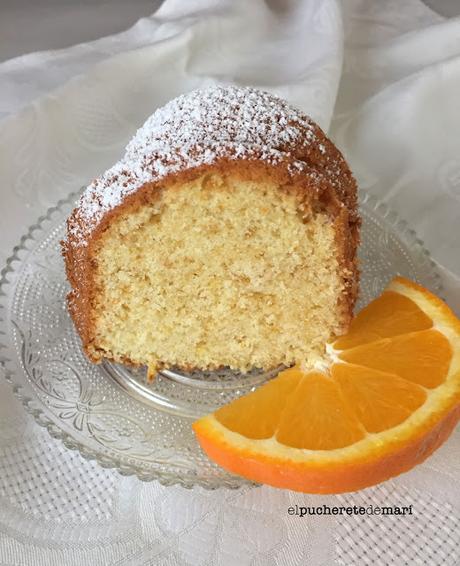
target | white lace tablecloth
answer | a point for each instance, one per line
(384, 77)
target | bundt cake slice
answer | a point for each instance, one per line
(225, 236)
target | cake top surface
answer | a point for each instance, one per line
(199, 128)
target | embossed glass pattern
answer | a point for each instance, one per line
(108, 412)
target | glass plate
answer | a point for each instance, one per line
(108, 412)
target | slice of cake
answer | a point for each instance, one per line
(225, 236)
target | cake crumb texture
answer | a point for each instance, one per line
(218, 272)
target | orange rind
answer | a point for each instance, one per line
(387, 398)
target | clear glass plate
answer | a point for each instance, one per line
(108, 412)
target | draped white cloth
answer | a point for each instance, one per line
(384, 78)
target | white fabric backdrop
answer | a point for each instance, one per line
(383, 76)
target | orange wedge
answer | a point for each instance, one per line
(388, 397)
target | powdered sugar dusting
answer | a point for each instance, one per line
(195, 129)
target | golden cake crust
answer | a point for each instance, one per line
(232, 131)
